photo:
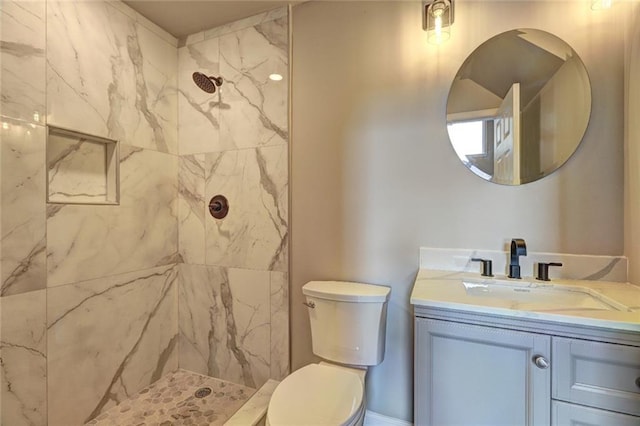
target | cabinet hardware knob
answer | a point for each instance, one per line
(309, 304)
(541, 362)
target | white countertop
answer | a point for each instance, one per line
(445, 289)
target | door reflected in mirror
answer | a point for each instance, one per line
(518, 107)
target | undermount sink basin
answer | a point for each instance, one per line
(533, 296)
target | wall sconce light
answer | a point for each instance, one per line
(437, 17)
(601, 4)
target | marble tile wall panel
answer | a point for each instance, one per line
(110, 76)
(23, 366)
(118, 4)
(191, 39)
(250, 21)
(22, 60)
(22, 207)
(279, 325)
(574, 267)
(156, 70)
(254, 234)
(241, 134)
(192, 209)
(241, 24)
(257, 113)
(107, 339)
(86, 242)
(199, 124)
(224, 323)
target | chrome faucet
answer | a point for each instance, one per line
(518, 248)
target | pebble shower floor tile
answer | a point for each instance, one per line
(171, 401)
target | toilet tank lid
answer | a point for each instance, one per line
(344, 291)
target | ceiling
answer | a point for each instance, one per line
(183, 17)
(520, 61)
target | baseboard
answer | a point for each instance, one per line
(371, 418)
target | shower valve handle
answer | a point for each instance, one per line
(219, 206)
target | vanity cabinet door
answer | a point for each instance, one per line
(474, 375)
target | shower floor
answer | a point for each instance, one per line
(172, 401)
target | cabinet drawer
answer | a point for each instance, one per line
(597, 374)
(564, 414)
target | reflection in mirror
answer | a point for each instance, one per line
(518, 107)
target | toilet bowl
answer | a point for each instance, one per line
(348, 327)
(319, 394)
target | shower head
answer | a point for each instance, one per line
(208, 84)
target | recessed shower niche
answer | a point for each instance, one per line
(81, 168)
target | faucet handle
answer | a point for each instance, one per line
(487, 266)
(543, 270)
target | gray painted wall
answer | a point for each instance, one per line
(632, 144)
(374, 177)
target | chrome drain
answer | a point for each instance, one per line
(202, 392)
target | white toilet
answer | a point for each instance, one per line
(348, 326)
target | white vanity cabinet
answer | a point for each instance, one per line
(494, 372)
(493, 351)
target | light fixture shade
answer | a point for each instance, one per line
(437, 17)
(601, 4)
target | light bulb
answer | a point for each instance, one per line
(439, 32)
(438, 28)
(275, 77)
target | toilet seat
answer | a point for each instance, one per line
(318, 394)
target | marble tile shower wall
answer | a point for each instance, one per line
(88, 296)
(233, 314)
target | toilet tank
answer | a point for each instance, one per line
(348, 321)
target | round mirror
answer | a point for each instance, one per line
(518, 107)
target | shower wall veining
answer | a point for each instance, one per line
(99, 301)
(233, 314)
